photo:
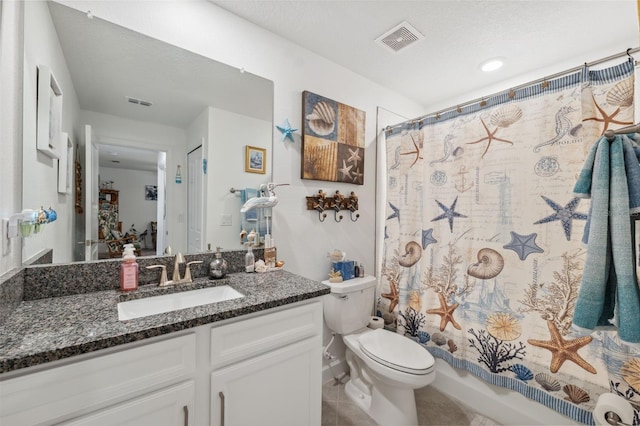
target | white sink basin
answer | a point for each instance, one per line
(172, 302)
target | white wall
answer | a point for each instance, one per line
(41, 46)
(133, 208)
(10, 125)
(230, 133)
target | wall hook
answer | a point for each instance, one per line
(336, 217)
(351, 216)
(321, 215)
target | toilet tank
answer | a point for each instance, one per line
(349, 305)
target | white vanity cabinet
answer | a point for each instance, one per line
(119, 382)
(266, 366)
(267, 370)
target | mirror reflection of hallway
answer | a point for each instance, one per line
(135, 174)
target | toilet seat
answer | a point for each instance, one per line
(396, 352)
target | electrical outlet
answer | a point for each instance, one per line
(6, 241)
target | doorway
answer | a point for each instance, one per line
(137, 176)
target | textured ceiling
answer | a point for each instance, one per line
(459, 35)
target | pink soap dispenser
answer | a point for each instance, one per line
(128, 270)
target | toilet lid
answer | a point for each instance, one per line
(396, 351)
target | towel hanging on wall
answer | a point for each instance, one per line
(609, 293)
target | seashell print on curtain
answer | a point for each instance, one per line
(483, 258)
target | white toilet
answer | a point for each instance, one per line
(385, 367)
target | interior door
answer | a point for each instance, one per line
(91, 197)
(195, 201)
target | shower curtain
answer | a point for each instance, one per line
(482, 257)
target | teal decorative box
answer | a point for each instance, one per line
(346, 268)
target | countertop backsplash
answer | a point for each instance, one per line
(41, 281)
(44, 281)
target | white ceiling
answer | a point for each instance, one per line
(459, 35)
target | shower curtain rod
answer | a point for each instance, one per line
(627, 52)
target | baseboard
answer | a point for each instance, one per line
(338, 368)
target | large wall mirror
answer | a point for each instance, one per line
(168, 129)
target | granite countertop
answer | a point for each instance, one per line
(44, 330)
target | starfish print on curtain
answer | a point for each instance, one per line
(620, 95)
(523, 245)
(446, 313)
(396, 212)
(501, 118)
(563, 350)
(564, 214)
(416, 152)
(427, 238)
(449, 213)
(393, 297)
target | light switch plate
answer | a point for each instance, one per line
(226, 220)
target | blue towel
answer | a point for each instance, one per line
(632, 170)
(609, 291)
(246, 194)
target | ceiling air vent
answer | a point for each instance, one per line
(138, 101)
(399, 37)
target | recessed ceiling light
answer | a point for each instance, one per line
(491, 65)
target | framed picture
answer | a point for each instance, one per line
(49, 119)
(255, 159)
(151, 192)
(332, 140)
(65, 164)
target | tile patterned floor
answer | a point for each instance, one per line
(434, 408)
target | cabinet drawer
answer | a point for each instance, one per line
(168, 407)
(243, 339)
(81, 387)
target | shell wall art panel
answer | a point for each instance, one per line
(332, 140)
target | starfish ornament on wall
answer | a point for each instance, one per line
(564, 214)
(393, 296)
(523, 245)
(563, 350)
(287, 131)
(446, 313)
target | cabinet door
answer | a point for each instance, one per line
(172, 406)
(282, 387)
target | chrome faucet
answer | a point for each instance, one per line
(175, 279)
